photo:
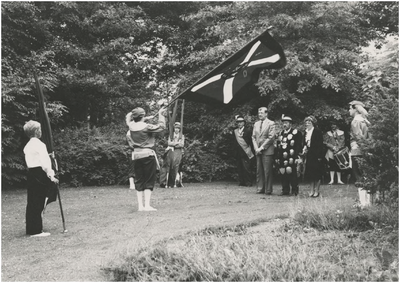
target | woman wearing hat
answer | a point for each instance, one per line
(314, 153)
(176, 143)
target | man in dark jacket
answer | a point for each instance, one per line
(243, 151)
(289, 146)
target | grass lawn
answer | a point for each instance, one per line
(104, 229)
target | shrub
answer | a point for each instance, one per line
(381, 152)
(92, 157)
(202, 162)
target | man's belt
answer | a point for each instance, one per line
(140, 153)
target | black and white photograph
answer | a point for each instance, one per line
(186, 141)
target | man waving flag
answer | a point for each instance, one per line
(230, 81)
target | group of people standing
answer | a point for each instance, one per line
(288, 149)
(295, 153)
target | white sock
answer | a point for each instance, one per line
(140, 200)
(147, 196)
(131, 183)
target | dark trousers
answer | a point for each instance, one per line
(356, 168)
(145, 173)
(244, 170)
(166, 167)
(175, 166)
(264, 173)
(38, 184)
(290, 180)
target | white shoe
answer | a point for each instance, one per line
(340, 183)
(141, 209)
(149, 209)
(43, 234)
(330, 183)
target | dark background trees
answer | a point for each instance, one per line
(98, 60)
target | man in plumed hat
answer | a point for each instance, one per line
(289, 146)
(358, 131)
(243, 151)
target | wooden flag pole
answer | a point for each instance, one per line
(182, 111)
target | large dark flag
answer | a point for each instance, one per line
(233, 80)
(47, 138)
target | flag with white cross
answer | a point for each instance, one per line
(233, 80)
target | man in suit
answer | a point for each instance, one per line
(263, 141)
(243, 151)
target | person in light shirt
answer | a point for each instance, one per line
(263, 141)
(40, 178)
(358, 132)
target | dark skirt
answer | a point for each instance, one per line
(332, 165)
(38, 188)
(314, 169)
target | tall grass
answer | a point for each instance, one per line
(325, 215)
(310, 247)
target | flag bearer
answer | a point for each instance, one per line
(40, 179)
(145, 159)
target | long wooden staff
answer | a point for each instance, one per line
(172, 121)
(182, 110)
(48, 140)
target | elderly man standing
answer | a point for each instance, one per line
(243, 151)
(289, 146)
(145, 159)
(263, 141)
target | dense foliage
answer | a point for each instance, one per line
(97, 60)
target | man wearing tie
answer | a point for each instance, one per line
(263, 140)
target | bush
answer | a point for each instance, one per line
(101, 157)
(381, 152)
(92, 157)
(202, 162)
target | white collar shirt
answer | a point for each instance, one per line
(308, 136)
(36, 155)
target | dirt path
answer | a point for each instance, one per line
(103, 221)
